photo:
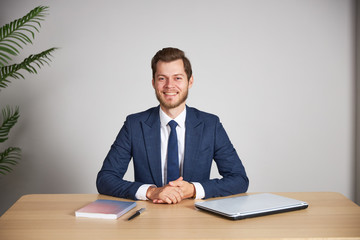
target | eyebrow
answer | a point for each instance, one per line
(163, 75)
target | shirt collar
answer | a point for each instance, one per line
(165, 119)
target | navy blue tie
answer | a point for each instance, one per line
(173, 170)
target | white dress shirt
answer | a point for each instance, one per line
(164, 136)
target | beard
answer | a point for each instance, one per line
(171, 105)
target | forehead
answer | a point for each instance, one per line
(170, 68)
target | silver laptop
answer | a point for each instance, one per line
(251, 205)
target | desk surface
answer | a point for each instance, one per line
(51, 216)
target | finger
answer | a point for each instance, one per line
(179, 190)
(163, 198)
(170, 195)
(175, 184)
(168, 200)
(176, 181)
(174, 200)
(181, 194)
(158, 201)
(177, 196)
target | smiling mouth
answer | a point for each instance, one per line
(170, 93)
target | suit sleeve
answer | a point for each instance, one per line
(110, 178)
(234, 179)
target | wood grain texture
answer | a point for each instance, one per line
(51, 216)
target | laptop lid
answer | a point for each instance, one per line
(251, 205)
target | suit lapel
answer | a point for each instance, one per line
(151, 131)
(193, 136)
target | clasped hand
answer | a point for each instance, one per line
(172, 193)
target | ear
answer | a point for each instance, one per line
(191, 81)
(153, 83)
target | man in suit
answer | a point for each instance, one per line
(172, 159)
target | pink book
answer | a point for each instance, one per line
(107, 209)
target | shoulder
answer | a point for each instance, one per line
(201, 115)
(144, 115)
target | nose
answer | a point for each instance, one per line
(169, 83)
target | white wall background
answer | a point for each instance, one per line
(280, 74)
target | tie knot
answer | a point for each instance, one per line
(172, 124)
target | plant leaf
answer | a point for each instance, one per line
(8, 49)
(28, 65)
(20, 29)
(9, 158)
(9, 119)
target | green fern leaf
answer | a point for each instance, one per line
(10, 118)
(4, 57)
(9, 158)
(14, 34)
(29, 64)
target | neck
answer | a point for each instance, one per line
(173, 112)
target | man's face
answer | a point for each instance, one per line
(171, 84)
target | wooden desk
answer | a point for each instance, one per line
(51, 217)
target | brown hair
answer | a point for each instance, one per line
(168, 55)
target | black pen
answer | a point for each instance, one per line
(137, 213)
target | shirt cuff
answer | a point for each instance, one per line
(200, 192)
(141, 192)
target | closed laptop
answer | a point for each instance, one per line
(251, 205)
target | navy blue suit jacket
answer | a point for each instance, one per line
(139, 139)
